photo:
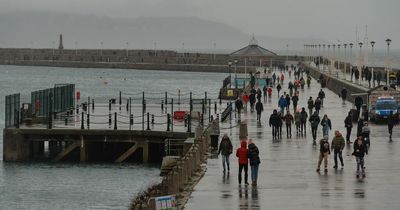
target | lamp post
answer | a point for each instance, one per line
(183, 49)
(360, 60)
(319, 56)
(76, 49)
(287, 53)
(214, 45)
(229, 65)
(101, 48)
(328, 56)
(351, 59)
(155, 49)
(372, 61)
(388, 41)
(345, 60)
(235, 61)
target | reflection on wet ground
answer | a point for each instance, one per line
(287, 177)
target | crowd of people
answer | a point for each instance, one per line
(248, 152)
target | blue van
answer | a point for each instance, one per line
(383, 107)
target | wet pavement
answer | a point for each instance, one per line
(287, 177)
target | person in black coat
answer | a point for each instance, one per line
(391, 122)
(252, 99)
(348, 123)
(317, 105)
(360, 125)
(344, 95)
(303, 121)
(295, 100)
(360, 149)
(253, 155)
(259, 109)
(314, 120)
(239, 106)
(321, 96)
(274, 123)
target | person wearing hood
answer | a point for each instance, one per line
(295, 100)
(304, 117)
(278, 88)
(317, 104)
(321, 96)
(326, 125)
(314, 120)
(259, 109)
(274, 123)
(225, 149)
(242, 154)
(282, 103)
(324, 151)
(310, 104)
(344, 95)
(253, 155)
(252, 99)
(348, 123)
(337, 148)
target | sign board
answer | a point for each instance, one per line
(230, 93)
(166, 202)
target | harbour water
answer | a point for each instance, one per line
(85, 186)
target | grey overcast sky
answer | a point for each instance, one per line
(320, 19)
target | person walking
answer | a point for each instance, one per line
(269, 92)
(295, 100)
(288, 120)
(245, 100)
(242, 154)
(324, 151)
(278, 88)
(317, 105)
(360, 150)
(348, 123)
(252, 99)
(253, 155)
(274, 123)
(314, 120)
(304, 117)
(308, 81)
(225, 149)
(391, 122)
(214, 134)
(321, 96)
(310, 104)
(344, 95)
(297, 120)
(259, 109)
(282, 103)
(287, 98)
(239, 106)
(358, 102)
(337, 148)
(326, 125)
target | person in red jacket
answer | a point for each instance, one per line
(241, 153)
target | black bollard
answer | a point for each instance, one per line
(109, 105)
(92, 105)
(130, 120)
(17, 119)
(215, 108)
(82, 121)
(109, 120)
(120, 98)
(162, 106)
(209, 110)
(127, 104)
(220, 99)
(88, 120)
(115, 121)
(189, 123)
(148, 121)
(168, 122)
(77, 109)
(186, 120)
(202, 106)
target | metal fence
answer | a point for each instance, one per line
(12, 110)
(56, 100)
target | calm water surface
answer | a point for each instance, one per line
(89, 186)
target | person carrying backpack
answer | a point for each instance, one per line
(253, 155)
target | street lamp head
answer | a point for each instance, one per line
(333, 45)
(329, 45)
(351, 45)
(230, 63)
(372, 43)
(360, 44)
(319, 45)
(338, 46)
(323, 45)
(345, 45)
(388, 41)
(236, 61)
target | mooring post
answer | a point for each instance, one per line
(130, 114)
(88, 120)
(172, 111)
(115, 120)
(17, 119)
(168, 121)
(109, 120)
(82, 121)
(120, 100)
(148, 121)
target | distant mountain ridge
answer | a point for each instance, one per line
(41, 30)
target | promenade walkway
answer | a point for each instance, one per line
(287, 177)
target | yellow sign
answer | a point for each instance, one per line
(230, 93)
